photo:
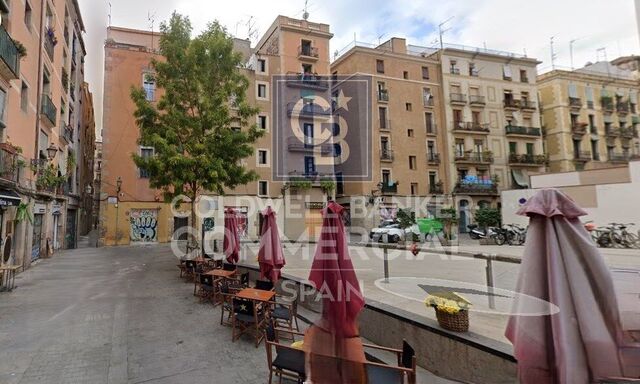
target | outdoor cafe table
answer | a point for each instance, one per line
(255, 294)
(221, 273)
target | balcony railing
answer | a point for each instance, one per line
(307, 110)
(471, 127)
(611, 132)
(386, 155)
(383, 95)
(575, 102)
(622, 107)
(627, 133)
(579, 128)
(474, 157)
(582, 156)
(433, 158)
(528, 105)
(458, 98)
(384, 124)
(527, 159)
(427, 101)
(436, 189)
(389, 188)
(476, 100)
(8, 166)
(10, 67)
(479, 188)
(308, 51)
(590, 104)
(307, 80)
(519, 130)
(49, 110)
(607, 104)
(454, 71)
(511, 104)
(618, 158)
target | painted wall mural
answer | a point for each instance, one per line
(144, 225)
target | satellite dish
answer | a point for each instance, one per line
(7, 250)
(305, 15)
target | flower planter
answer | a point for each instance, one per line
(456, 322)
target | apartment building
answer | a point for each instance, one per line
(492, 132)
(42, 62)
(86, 158)
(590, 115)
(293, 48)
(409, 159)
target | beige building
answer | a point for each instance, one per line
(590, 115)
(492, 132)
(409, 154)
(41, 71)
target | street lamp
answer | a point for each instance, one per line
(52, 151)
(118, 189)
(119, 185)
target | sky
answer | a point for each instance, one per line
(520, 26)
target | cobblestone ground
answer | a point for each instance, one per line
(116, 315)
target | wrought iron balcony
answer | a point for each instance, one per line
(575, 102)
(511, 104)
(307, 80)
(479, 188)
(527, 159)
(611, 132)
(427, 101)
(627, 133)
(383, 95)
(436, 189)
(582, 156)
(454, 71)
(8, 163)
(607, 104)
(471, 157)
(622, 107)
(458, 98)
(522, 131)
(308, 110)
(618, 158)
(48, 110)
(433, 158)
(528, 105)
(49, 47)
(432, 129)
(470, 126)
(308, 52)
(476, 100)
(579, 129)
(386, 188)
(10, 63)
(295, 144)
(386, 155)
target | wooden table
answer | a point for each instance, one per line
(8, 277)
(256, 294)
(221, 273)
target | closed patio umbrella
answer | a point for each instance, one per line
(231, 243)
(561, 264)
(334, 350)
(270, 255)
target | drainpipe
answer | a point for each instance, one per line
(40, 77)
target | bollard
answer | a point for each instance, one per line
(386, 265)
(489, 271)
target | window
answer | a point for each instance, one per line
(530, 149)
(592, 125)
(380, 66)
(263, 188)
(307, 69)
(506, 72)
(3, 105)
(309, 165)
(453, 69)
(27, 15)
(386, 176)
(457, 118)
(405, 75)
(410, 132)
(523, 76)
(262, 65)
(425, 73)
(149, 85)
(432, 178)
(414, 188)
(262, 91)
(145, 153)
(408, 107)
(262, 157)
(472, 70)
(262, 122)
(428, 122)
(594, 150)
(427, 97)
(382, 113)
(24, 97)
(459, 147)
(308, 135)
(306, 48)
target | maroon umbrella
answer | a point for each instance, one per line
(561, 264)
(335, 351)
(231, 242)
(270, 256)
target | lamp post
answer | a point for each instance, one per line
(118, 189)
(52, 151)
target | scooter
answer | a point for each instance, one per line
(477, 233)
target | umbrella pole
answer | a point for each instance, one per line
(386, 264)
(489, 272)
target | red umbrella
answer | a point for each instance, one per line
(231, 242)
(561, 264)
(335, 349)
(270, 256)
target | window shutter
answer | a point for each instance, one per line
(506, 71)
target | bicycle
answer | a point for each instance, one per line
(622, 237)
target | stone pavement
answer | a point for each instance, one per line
(120, 315)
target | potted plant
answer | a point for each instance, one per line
(452, 310)
(22, 50)
(448, 217)
(328, 186)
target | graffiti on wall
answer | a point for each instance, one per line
(144, 225)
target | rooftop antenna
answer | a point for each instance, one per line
(152, 21)
(571, 50)
(380, 37)
(553, 54)
(604, 53)
(252, 31)
(305, 13)
(109, 14)
(441, 30)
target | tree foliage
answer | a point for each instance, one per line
(204, 95)
(406, 218)
(487, 217)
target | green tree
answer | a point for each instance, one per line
(190, 126)
(487, 217)
(406, 218)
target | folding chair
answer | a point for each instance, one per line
(246, 318)
(206, 288)
(283, 360)
(379, 373)
(285, 312)
(264, 285)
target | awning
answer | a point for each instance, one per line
(9, 198)
(520, 178)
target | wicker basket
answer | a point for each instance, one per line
(456, 322)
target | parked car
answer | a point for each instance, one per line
(393, 231)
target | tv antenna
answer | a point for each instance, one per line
(380, 36)
(571, 50)
(109, 15)
(305, 12)
(442, 30)
(152, 21)
(602, 50)
(553, 53)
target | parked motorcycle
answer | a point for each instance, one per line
(477, 233)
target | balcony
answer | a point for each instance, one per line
(622, 107)
(590, 104)
(578, 129)
(307, 52)
(49, 111)
(511, 104)
(475, 188)
(582, 156)
(308, 110)
(8, 165)
(454, 71)
(471, 157)
(307, 81)
(473, 127)
(383, 95)
(618, 158)
(627, 133)
(427, 101)
(388, 188)
(516, 130)
(436, 189)
(314, 177)
(477, 101)
(528, 105)
(433, 158)
(386, 155)
(384, 124)
(611, 132)
(458, 98)
(527, 160)
(575, 102)
(10, 63)
(607, 104)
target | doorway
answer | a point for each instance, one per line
(71, 229)
(464, 216)
(36, 241)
